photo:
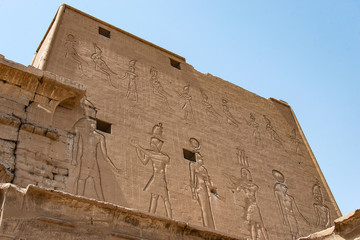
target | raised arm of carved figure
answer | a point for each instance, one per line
(213, 188)
(210, 184)
(141, 153)
(297, 209)
(104, 151)
(125, 75)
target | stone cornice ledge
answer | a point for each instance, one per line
(41, 84)
(78, 216)
(346, 227)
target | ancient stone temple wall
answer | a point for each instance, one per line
(153, 134)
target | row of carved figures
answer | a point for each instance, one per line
(88, 140)
(158, 90)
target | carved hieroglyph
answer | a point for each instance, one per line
(201, 185)
(210, 111)
(321, 210)
(252, 212)
(229, 117)
(187, 109)
(101, 66)
(71, 52)
(273, 134)
(158, 89)
(157, 184)
(287, 206)
(88, 144)
(293, 136)
(131, 93)
(242, 158)
(256, 133)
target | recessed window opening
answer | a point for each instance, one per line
(189, 155)
(103, 126)
(175, 63)
(104, 32)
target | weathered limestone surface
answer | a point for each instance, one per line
(37, 213)
(152, 134)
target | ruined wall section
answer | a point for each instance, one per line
(181, 144)
(32, 149)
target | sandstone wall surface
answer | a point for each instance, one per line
(153, 134)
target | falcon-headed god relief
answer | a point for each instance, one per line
(87, 144)
(288, 208)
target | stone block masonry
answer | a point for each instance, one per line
(150, 133)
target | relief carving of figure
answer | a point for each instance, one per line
(229, 117)
(210, 111)
(256, 134)
(88, 145)
(157, 184)
(158, 89)
(131, 92)
(101, 66)
(296, 141)
(201, 185)
(322, 211)
(288, 208)
(252, 211)
(71, 52)
(188, 113)
(273, 134)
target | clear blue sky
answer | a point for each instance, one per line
(305, 52)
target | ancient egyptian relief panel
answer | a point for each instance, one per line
(88, 150)
(258, 130)
(244, 192)
(157, 184)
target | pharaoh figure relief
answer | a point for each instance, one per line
(157, 185)
(248, 189)
(321, 210)
(89, 145)
(201, 185)
(288, 208)
(131, 93)
(252, 214)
